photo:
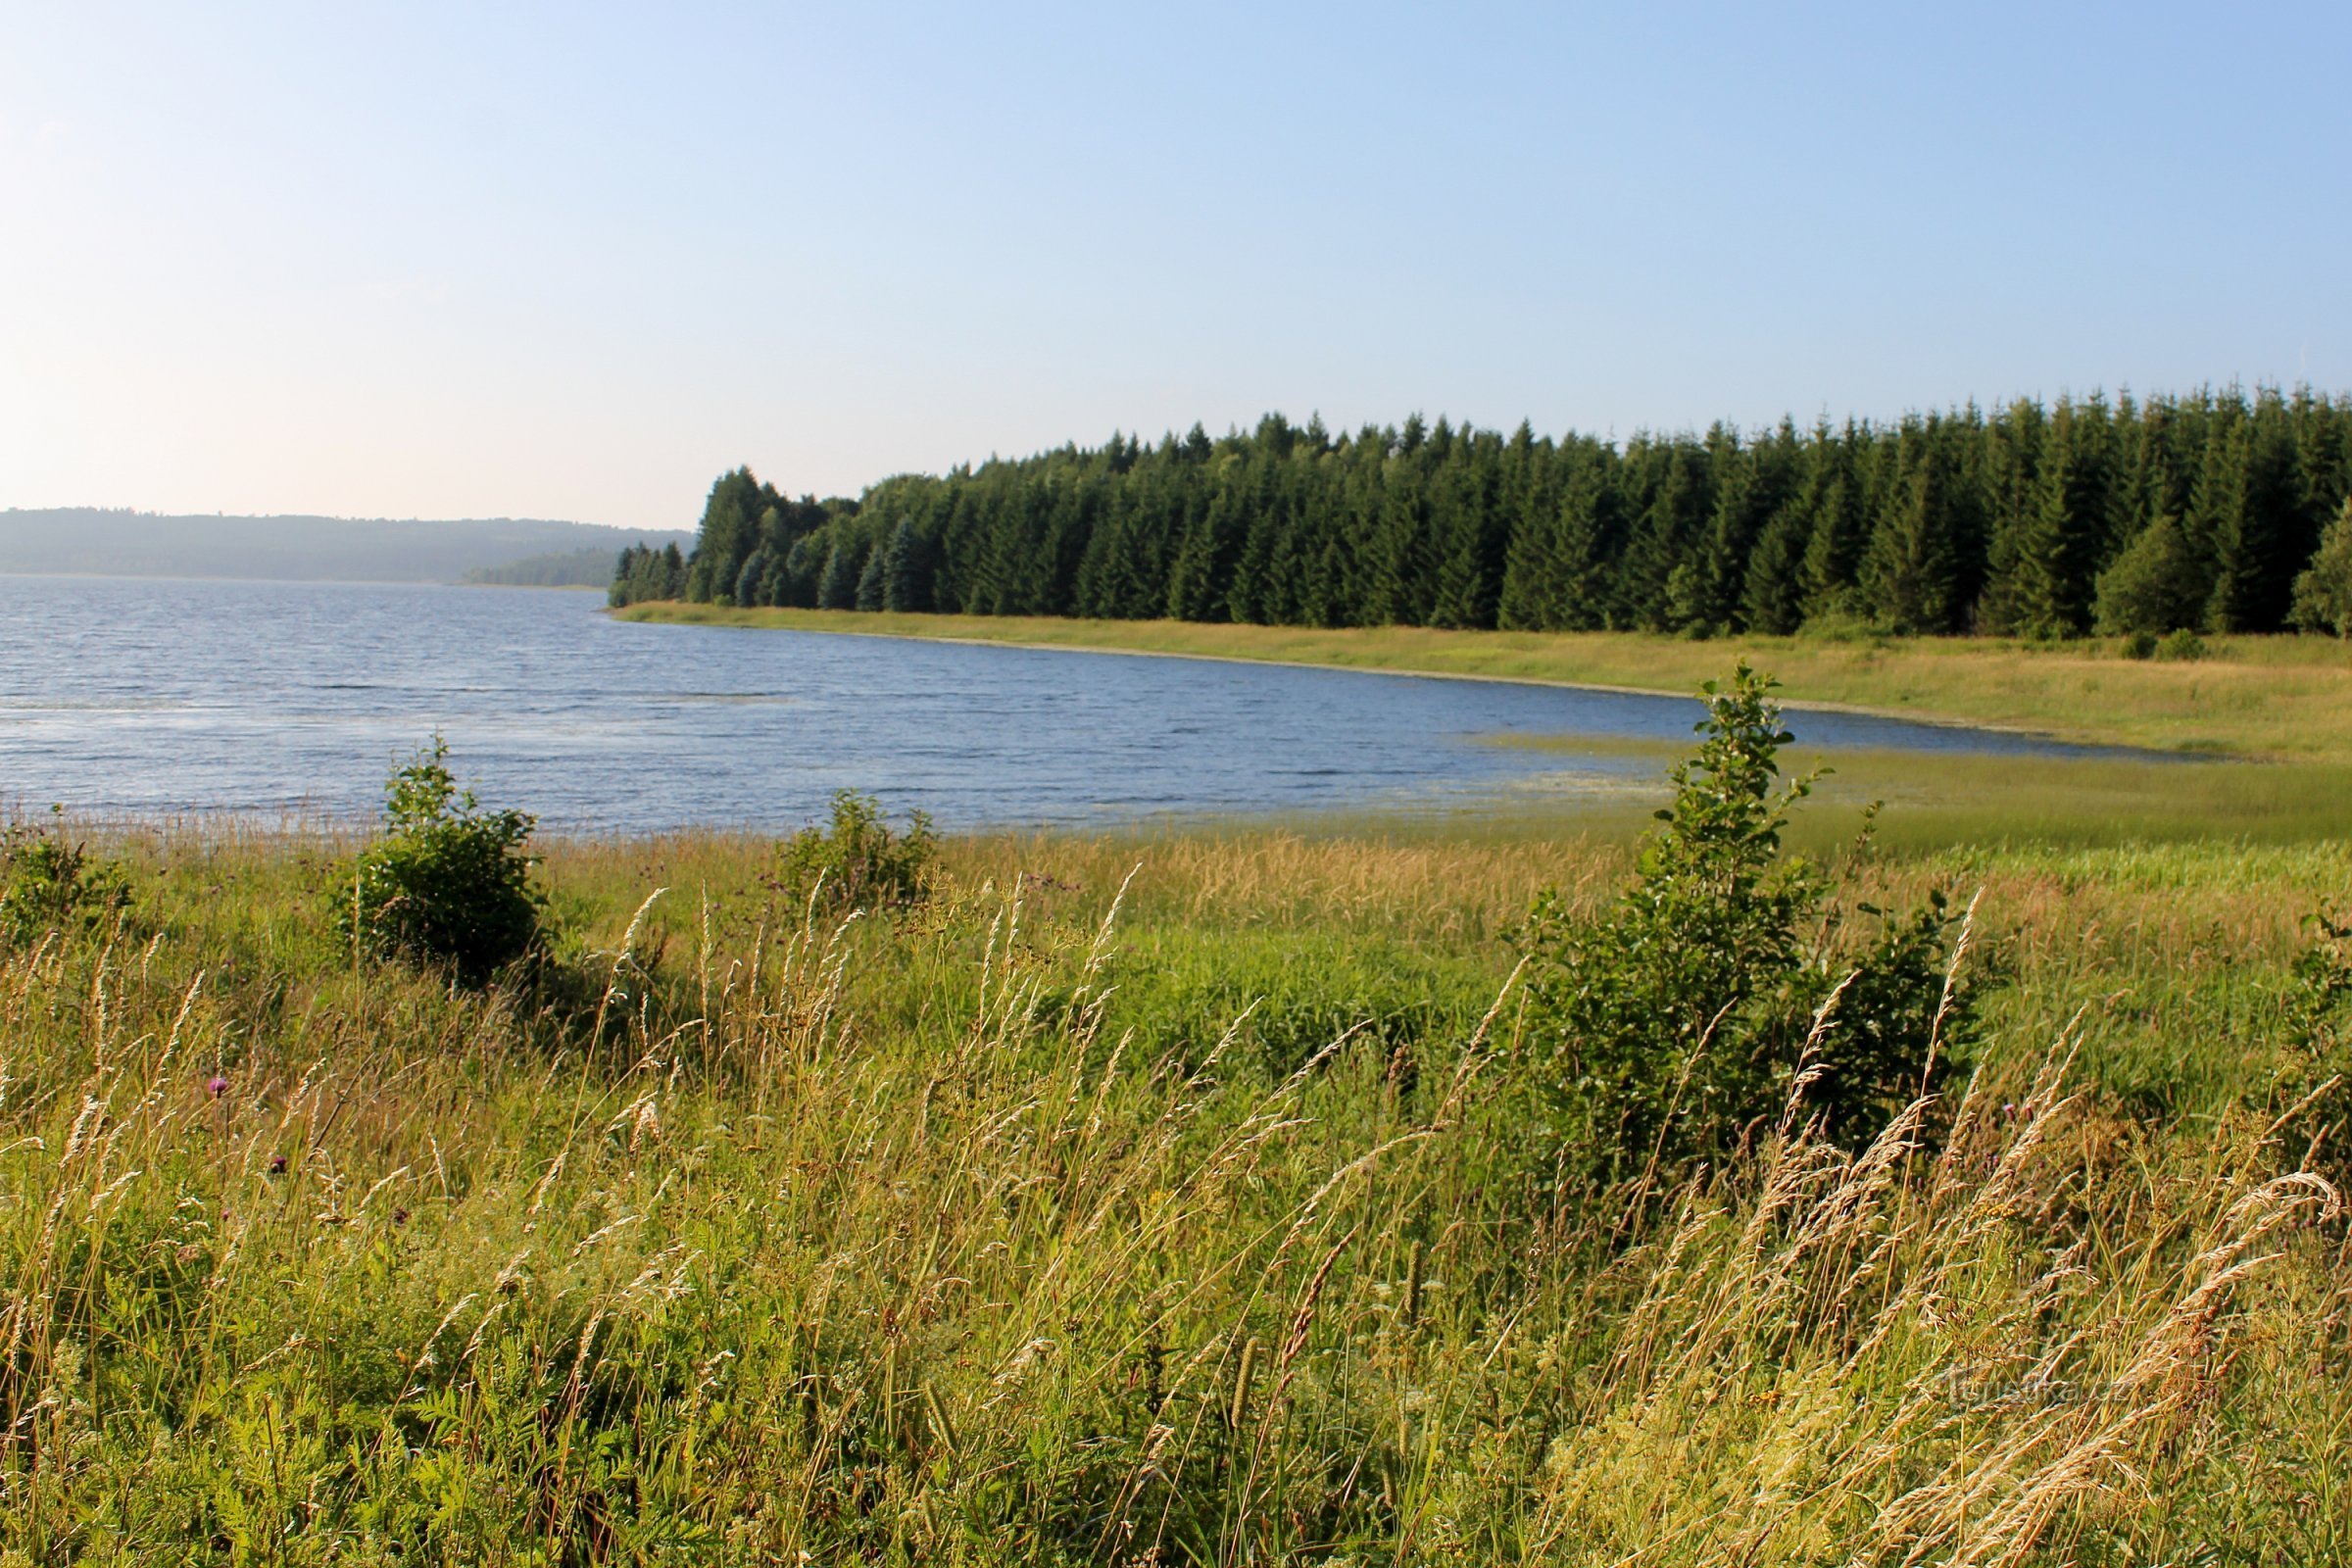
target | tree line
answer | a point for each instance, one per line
(2213, 510)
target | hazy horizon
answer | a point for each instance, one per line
(421, 262)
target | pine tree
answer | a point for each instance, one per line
(838, 589)
(1660, 541)
(1772, 599)
(871, 581)
(2254, 563)
(1907, 573)
(2041, 580)
(2221, 527)
(2159, 579)
(748, 580)
(906, 577)
(1840, 529)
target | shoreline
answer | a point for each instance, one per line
(744, 621)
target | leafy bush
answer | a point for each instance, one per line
(1675, 1026)
(2324, 589)
(2309, 1091)
(858, 862)
(449, 883)
(48, 885)
(2180, 647)
(2159, 584)
(2140, 645)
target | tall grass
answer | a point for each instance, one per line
(966, 1235)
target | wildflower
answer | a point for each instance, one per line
(217, 1085)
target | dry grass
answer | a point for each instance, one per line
(905, 1240)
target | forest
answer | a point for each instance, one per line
(2215, 510)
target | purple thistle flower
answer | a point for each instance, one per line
(217, 1085)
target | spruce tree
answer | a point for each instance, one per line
(1772, 599)
(2158, 581)
(905, 584)
(1907, 573)
(748, 580)
(870, 581)
(2221, 527)
(2040, 583)
(839, 588)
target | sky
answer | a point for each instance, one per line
(574, 261)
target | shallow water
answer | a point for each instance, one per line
(141, 696)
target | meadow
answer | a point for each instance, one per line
(1157, 1198)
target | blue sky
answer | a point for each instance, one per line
(572, 261)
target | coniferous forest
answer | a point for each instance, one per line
(2206, 512)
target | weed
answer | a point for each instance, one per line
(858, 861)
(2181, 645)
(50, 886)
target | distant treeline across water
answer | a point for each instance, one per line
(99, 542)
(2211, 510)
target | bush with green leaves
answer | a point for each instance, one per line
(2308, 1093)
(49, 885)
(1675, 1026)
(2324, 588)
(449, 882)
(858, 861)
(2157, 583)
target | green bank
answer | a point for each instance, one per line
(2266, 697)
(2252, 742)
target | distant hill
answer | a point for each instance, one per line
(569, 569)
(139, 544)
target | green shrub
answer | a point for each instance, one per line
(2140, 645)
(2159, 582)
(48, 885)
(2309, 1091)
(858, 862)
(2182, 645)
(448, 883)
(2324, 589)
(1673, 1027)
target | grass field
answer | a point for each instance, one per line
(1148, 1197)
(2278, 698)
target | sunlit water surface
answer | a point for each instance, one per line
(144, 696)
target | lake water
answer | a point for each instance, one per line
(137, 696)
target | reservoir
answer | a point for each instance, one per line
(147, 697)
